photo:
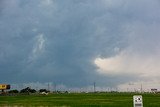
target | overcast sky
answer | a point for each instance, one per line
(78, 42)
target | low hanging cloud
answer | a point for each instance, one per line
(129, 64)
(139, 59)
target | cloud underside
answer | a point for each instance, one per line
(129, 64)
(139, 62)
(140, 59)
(78, 42)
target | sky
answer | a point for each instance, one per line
(75, 43)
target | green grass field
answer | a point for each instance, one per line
(79, 100)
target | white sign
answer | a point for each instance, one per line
(137, 101)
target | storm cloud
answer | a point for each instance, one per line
(77, 42)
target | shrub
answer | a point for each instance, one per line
(13, 91)
(28, 90)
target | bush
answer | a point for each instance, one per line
(13, 91)
(28, 90)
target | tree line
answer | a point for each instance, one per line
(28, 90)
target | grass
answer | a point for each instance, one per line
(79, 100)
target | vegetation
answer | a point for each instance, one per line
(28, 90)
(79, 100)
(13, 91)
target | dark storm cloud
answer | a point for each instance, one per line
(58, 41)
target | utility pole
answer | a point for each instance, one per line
(48, 86)
(94, 87)
(55, 86)
(141, 88)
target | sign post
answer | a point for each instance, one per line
(137, 101)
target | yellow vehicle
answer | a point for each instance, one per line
(4, 86)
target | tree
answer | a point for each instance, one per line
(28, 90)
(13, 91)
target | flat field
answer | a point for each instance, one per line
(79, 100)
